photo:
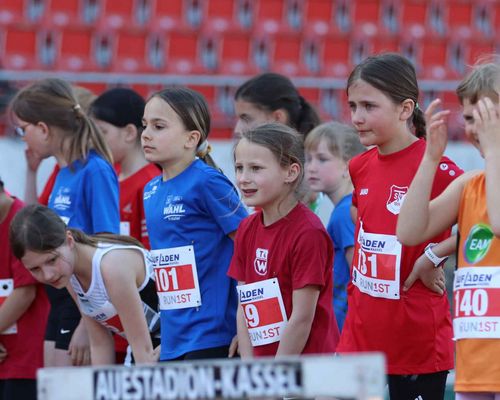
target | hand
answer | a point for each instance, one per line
(156, 353)
(487, 120)
(3, 353)
(233, 347)
(432, 277)
(33, 159)
(437, 131)
(79, 347)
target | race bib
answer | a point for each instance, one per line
(107, 316)
(176, 278)
(6, 288)
(476, 292)
(377, 264)
(264, 311)
(125, 228)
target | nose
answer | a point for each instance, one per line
(145, 136)
(241, 177)
(239, 128)
(48, 274)
(357, 116)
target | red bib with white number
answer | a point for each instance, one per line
(477, 303)
(264, 311)
(377, 264)
(6, 288)
(176, 278)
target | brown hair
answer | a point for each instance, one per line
(286, 144)
(482, 80)
(38, 228)
(342, 140)
(53, 102)
(395, 76)
(192, 109)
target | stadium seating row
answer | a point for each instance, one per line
(414, 17)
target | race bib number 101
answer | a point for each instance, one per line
(176, 278)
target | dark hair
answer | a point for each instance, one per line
(395, 76)
(1, 185)
(342, 140)
(286, 144)
(38, 228)
(192, 109)
(53, 102)
(271, 92)
(482, 80)
(119, 107)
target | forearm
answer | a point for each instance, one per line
(15, 305)
(143, 351)
(294, 337)
(413, 218)
(102, 347)
(244, 344)
(446, 248)
(30, 192)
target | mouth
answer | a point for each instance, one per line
(55, 282)
(147, 149)
(248, 192)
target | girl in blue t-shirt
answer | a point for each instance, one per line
(85, 194)
(192, 213)
(329, 147)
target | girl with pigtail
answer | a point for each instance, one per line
(410, 324)
(192, 212)
(85, 194)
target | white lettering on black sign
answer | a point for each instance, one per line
(197, 382)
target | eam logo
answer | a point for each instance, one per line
(260, 262)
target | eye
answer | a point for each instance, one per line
(52, 260)
(256, 168)
(369, 107)
(352, 106)
(238, 168)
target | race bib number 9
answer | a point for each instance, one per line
(377, 263)
(476, 292)
(176, 278)
(6, 288)
(263, 310)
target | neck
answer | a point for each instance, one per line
(132, 163)
(171, 170)
(60, 153)
(397, 143)
(278, 209)
(5, 204)
(83, 264)
(343, 189)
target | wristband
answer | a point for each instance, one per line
(437, 261)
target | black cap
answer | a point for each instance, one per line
(119, 107)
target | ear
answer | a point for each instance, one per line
(70, 240)
(192, 140)
(130, 133)
(407, 107)
(44, 130)
(280, 115)
(293, 173)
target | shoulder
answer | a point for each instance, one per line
(305, 222)
(96, 162)
(120, 262)
(447, 166)
(356, 162)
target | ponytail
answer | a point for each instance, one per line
(418, 121)
(308, 118)
(94, 240)
(203, 153)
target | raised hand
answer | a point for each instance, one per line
(487, 122)
(437, 130)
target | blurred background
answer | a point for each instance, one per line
(215, 45)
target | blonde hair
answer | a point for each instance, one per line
(53, 102)
(482, 80)
(342, 140)
(84, 96)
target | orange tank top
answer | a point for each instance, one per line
(476, 293)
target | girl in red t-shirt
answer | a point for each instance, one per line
(411, 326)
(283, 254)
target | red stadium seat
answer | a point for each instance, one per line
(61, 13)
(220, 16)
(366, 16)
(21, 50)
(414, 18)
(182, 53)
(12, 12)
(269, 16)
(286, 56)
(459, 18)
(434, 59)
(130, 53)
(336, 56)
(480, 49)
(118, 14)
(319, 15)
(167, 15)
(235, 55)
(76, 50)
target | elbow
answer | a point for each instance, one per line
(495, 228)
(406, 237)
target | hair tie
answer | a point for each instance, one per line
(77, 107)
(417, 107)
(203, 149)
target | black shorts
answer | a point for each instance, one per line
(421, 387)
(64, 317)
(213, 352)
